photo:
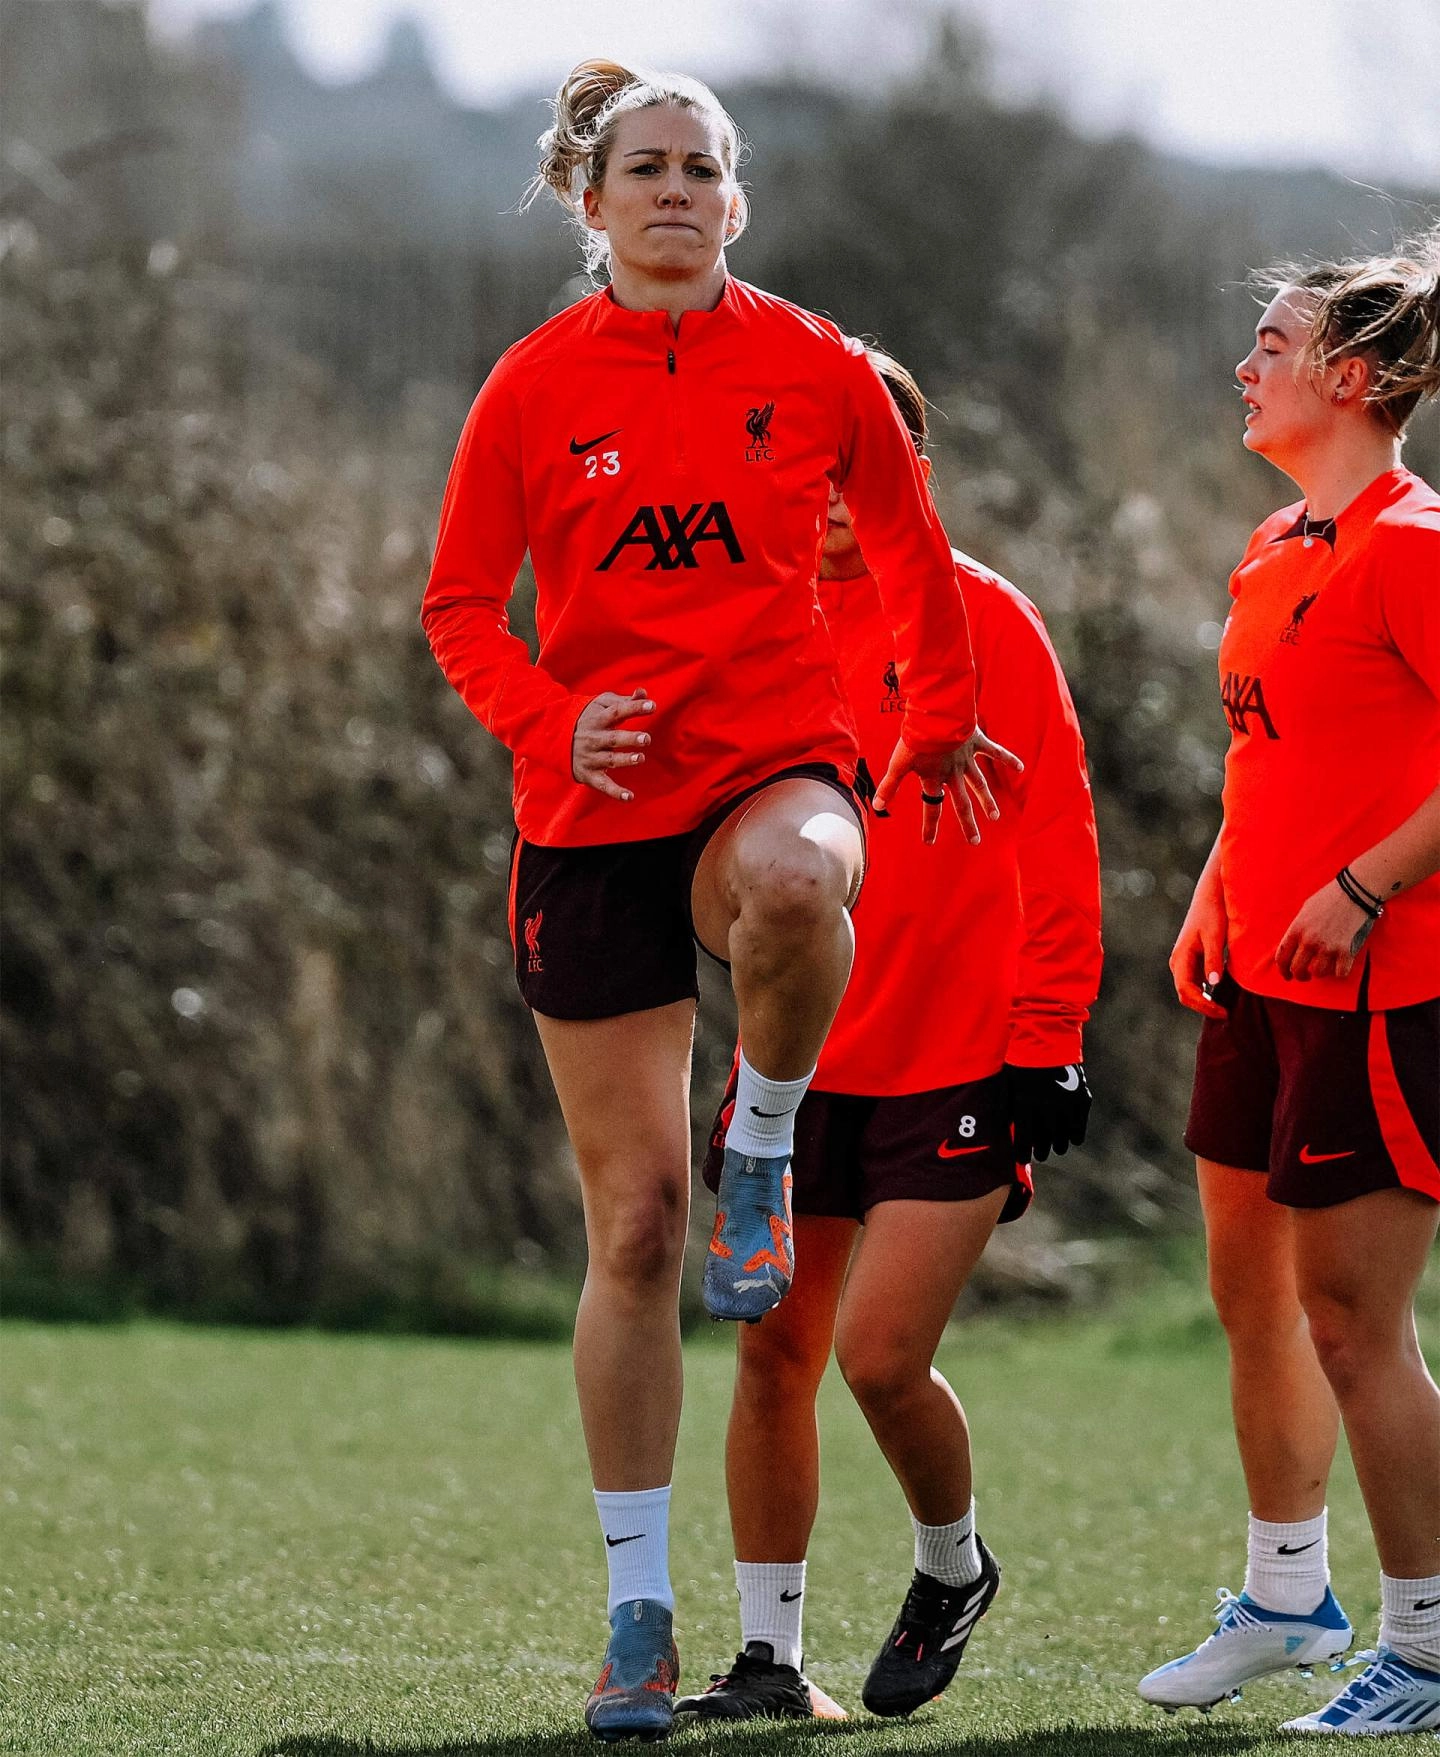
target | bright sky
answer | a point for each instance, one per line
(1354, 84)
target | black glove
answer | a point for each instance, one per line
(1048, 1107)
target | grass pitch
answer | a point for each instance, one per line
(220, 1543)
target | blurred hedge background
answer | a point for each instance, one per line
(263, 1058)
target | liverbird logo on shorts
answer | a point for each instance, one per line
(532, 942)
(757, 425)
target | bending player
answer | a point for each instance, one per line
(1312, 947)
(956, 1053)
(665, 450)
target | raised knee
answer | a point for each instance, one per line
(640, 1238)
(793, 891)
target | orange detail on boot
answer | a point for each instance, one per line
(717, 1249)
(780, 1256)
(667, 1673)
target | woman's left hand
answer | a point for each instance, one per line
(1325, 938)
(954, 774)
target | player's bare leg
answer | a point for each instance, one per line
(886, 1347)
(1358, 1266)
(772, 1446)
(635, 1183)
(771, 894)
(1286, 1420)
(772, 1475)
(1286, 1428)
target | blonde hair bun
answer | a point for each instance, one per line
(577, 105)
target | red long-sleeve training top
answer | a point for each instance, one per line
(968, 957)
(671, 489)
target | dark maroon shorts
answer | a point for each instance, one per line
(607, 930)
(1331, 1105)
(852, 1153)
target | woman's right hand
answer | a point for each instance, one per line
(599, 745)
(1198, 961)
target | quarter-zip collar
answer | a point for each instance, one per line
(655, 327)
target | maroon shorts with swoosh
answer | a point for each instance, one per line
(851, 1153)
(1330, 1105)
(604, 930)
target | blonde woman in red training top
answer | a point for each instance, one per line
(1312, 947)
(684, 757)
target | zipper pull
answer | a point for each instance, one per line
(670, 362)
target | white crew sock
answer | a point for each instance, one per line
(1410, 1619)
(1287, 1567)
(637, 1545)
(772, 1607)
(762, 1125)
(948, 1552)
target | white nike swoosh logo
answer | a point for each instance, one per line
(1071, 1082)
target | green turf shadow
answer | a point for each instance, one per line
(855, 1738)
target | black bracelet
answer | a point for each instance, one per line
(1371, 897)
(1358, 895)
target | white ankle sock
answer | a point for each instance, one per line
(1287, 1567)
(637, 1545)
(948, 1552)
(1410, 1619)
(762, 1125)
(772, 1607)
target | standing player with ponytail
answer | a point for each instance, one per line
(665, 450)
(1312, 947)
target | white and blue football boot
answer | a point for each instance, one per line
(1390, 1696)
(1249, 1643)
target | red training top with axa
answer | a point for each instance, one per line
(967, 957)
(671, 488)
(1330, 679)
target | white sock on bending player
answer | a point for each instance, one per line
(772, 1607)
(948, 1552)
